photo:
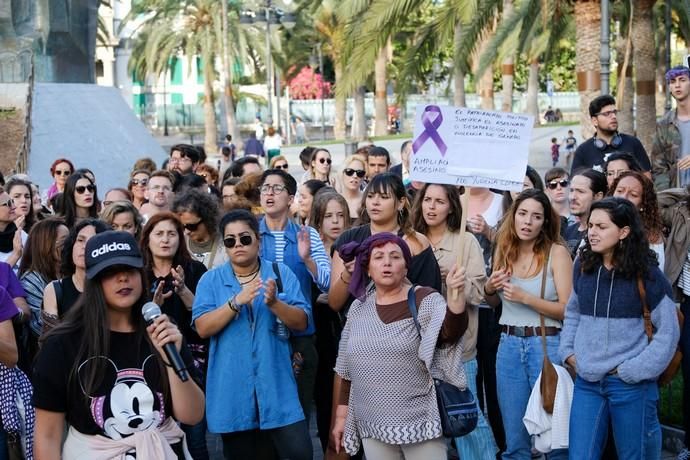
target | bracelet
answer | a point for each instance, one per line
(343, 279)
(233, 306)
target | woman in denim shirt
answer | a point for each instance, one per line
(251, 390)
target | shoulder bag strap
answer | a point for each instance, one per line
(279, 280)
(646, 314)
(412, 306)
(543, 290)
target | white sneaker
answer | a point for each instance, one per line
(684, 454)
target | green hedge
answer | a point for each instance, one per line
(671, 395)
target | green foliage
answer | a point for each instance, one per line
(671, 399)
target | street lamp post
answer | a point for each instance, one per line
(271, 15)
(165, 102)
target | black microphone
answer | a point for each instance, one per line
(151, 311)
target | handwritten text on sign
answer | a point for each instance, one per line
(461, 146)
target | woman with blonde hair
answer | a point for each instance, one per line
(123, 216)
(350, 182)
(278, 162)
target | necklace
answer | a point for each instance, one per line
(252, 276)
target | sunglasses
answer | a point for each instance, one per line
(61, 172)
(142, 182)
(192, 227)
(283, 166)
(325, 160)
(83, 188)
(350, 172)
(9, 203)
(554, 184)
(231, 241)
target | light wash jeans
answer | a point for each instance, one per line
(633, 414)
(518, 364)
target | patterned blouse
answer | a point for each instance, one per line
(392, 397)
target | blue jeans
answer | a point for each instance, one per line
(633, 414)
(196, 439)
(518, 364)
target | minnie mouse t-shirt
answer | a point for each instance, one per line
(130, 397)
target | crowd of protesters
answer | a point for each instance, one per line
(287, 301)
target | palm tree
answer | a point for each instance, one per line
(587, 65)
(644, 58)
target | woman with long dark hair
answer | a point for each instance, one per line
(22, 194)
(605, 336)
(437, 214)
(103, 370)
(41, 265)
(79, 200)
(61, 294)
(528, 259)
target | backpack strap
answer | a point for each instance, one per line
(646, 314)
(279, 280)
(412, 305)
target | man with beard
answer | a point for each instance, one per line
(592, 153)
(184, 159)
(586, 187)
(671, 146)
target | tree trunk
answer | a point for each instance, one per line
(485, 81)
(230, 116)
(380, 97)
(458, 74)
(210, 128)
(359, 118)
(587, 66)
(507, 68)
(533, 91)
(340, 126)
(644, 57)
(625, 96)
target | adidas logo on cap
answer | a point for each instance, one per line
(106, 248)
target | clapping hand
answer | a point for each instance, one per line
(304, 243)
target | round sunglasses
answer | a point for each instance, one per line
(325, 160)
(231, 241)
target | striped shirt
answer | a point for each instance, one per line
(318, 254)
(684, 278)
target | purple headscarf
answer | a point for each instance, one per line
(677, 71)
(361, 252)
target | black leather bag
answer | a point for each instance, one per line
(457, 408)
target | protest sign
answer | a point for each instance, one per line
(472, 147)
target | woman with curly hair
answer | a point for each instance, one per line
(199, 213)
(528, 260)
(604, 336)
(637, 188)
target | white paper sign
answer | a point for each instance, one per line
(461, 146)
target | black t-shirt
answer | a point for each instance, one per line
(573, 236)
(175, 309)
(130, 397)
(423, 270)
(66, 294)
(587, 155)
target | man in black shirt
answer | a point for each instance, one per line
(586, 187)
(592, 153)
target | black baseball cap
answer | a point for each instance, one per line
(111, 248)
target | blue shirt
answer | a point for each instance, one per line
(249, 382)
(290, 257)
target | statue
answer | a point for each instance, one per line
(59, 34)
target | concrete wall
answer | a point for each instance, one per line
(13, 94)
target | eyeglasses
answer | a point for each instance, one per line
(180, 160)
(325, 160)
(83, 188)
(142, 182)
(231, 241)
(62, 172)
(607, 114)
(350, 172)
(192, 227)
(282, 166)
(555, 183)
(9, 203)
(275, 188)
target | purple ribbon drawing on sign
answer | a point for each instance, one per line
(431, 119)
